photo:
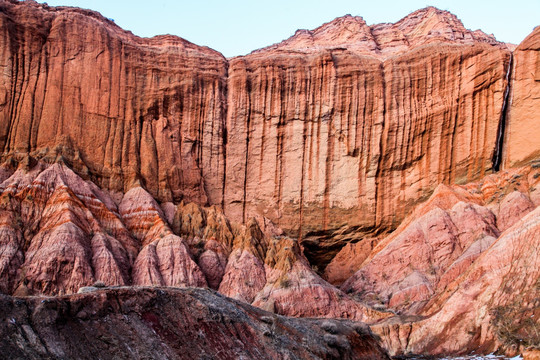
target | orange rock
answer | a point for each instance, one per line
(118, 107)
(294, 289)
(332, 127)
(68, 232)
(346, 125)
(523, 126)
(348, 261)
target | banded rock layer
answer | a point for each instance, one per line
(461, 272)
(60, 234)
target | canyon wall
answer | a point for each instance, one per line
(348, 124)
(523, 127)
(156, 162)
(328, 138)
(120, 109)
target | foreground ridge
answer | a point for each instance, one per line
(167, 323)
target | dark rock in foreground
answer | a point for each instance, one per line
(170, 323)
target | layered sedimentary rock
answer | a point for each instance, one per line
(522, 124)
(493, 304)
(333, 126)
(460, 271)
(118, 107)
(166, 323)
(352, 125)
(61, 233)
(130, 161)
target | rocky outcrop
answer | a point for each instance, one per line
(61, 233)
(324, 134)
(421, 27)
(522, 123)
(167, 323)
(293, 288)
(493, 305)
(165, 258)
(460, 272)
(117, 107)
(349, 260)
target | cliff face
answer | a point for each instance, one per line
(60, 233)
(333, 126)
(156, 162)
(522, 123)
(119, 108)
(331, 138)
(352, 125)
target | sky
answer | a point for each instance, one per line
(237, 27)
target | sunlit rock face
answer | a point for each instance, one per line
(344, 124)
(118, 107)
(352, 125)
(522, 125)
(384, 173)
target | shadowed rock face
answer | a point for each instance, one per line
(165, 323)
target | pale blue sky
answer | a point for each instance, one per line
(236, 27)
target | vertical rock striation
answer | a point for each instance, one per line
(523, 127)
(353, 125)
(333, 126)
(120, 107)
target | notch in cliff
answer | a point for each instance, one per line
(507, 99)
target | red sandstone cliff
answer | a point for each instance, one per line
(119, 108)
(113, 147)
(521, 144)
(331, 127)
(346, 125)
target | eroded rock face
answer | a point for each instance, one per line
(444, 272)
(141, 323)
(293, 288)
(331, 127)
(384, 40)
(118, 107)
(339, 125)
(522, 125)
(156, 162)
(60, 233)
(493, 305)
